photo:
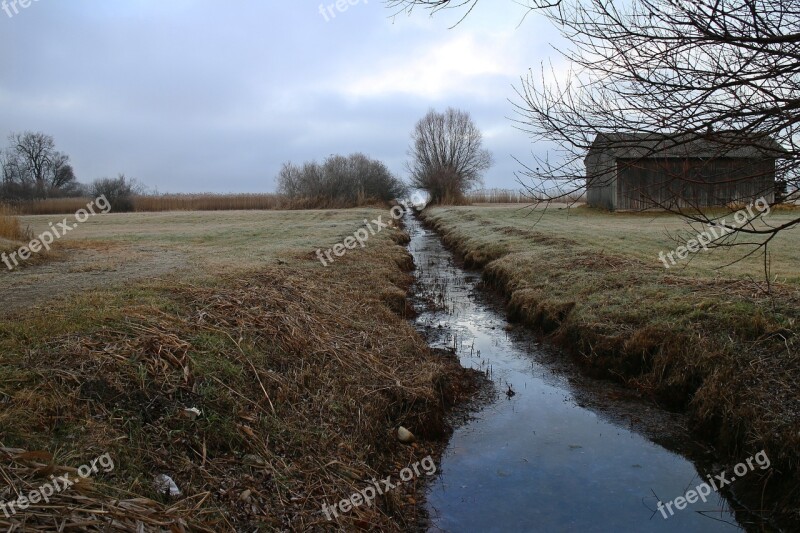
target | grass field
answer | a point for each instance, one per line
(708, 341)
(302, 373)
(117, 248)
(636, 235)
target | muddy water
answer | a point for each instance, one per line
(538, 460)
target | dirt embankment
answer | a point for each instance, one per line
(299, 374)
(721, 350)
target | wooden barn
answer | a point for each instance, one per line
(631, 171)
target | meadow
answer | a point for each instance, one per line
(635, 235)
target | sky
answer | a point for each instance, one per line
(205, 96)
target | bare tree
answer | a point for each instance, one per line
(119, 192)
(447, 155)
(339, 181)
(32, 162)
(60, 174)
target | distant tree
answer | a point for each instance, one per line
(61, 174)
(32, 167)
(339, 181)
(447, 157)
(75, 189)
(118, 191)
(289, 180)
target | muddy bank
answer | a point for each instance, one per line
(739, 396)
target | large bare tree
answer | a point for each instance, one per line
(447, 157)
(721, 70)
(31, 162)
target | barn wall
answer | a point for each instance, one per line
(686, 183)
(600, 181)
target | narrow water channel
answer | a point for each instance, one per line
(537, 460)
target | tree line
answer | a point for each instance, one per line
(446, 159)
(339, 181)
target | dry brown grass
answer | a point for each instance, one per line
(194, 202)
(10, 226)
(83, 503)
(515, 196)
(208, 202)
(166, 202)
(497, 196)
(302, 374)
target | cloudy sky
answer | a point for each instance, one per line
(195, 95)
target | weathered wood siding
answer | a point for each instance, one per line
(601, 186)
(672, 182)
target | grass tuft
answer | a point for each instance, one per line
(10, 226)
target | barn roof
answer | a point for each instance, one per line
(683, 145)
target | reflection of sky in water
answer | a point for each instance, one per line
(538, 461)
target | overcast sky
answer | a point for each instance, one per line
(196, 96)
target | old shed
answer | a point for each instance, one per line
(633, 171)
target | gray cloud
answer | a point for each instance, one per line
(205, 96)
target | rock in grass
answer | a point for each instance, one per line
(191, 413)
(254, 460)
(404, 435)
(166, 485)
